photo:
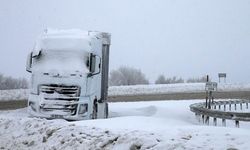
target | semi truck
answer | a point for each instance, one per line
(69, 75)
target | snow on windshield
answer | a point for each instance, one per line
(61, 61)
(62, 51)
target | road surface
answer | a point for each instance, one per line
(173, 96)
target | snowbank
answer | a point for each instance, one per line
(156, 89)
(17, 94)
(172, 88)
(34, 133)
(134, 125)
(6, 95)
(234, 87)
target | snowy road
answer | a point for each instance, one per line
(133, 125)
(180, 96)
(12, 99)
(15, 104)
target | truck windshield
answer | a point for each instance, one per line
(61, 61)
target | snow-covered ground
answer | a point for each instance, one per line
(132, 125)
(21, 94)
(16, 94)
(172, 88)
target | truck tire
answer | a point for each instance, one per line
(106, 111)
(94, 113)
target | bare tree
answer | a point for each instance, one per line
(174, 80)
(197, 80)
(162, 80)
(12, 83)
(127, 76)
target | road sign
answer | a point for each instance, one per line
(222, 75)
(211, 86)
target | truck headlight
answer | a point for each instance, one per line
(83, 108)
(32, 106)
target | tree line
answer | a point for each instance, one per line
(7, 82)
(121, 76)
(131, 76)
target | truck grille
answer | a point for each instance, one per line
(60, 99)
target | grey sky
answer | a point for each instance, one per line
(185, 38)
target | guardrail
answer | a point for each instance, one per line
(231, 110)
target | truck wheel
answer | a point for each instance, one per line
(94, 113)
(106, 110)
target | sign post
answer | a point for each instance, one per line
(210, 88)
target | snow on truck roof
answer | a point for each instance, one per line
(72, 39)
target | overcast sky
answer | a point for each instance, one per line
(185, 38)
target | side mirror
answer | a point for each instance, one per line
(94, 65)
(92, 61)
(29, 62)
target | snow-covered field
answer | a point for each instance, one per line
(132, 125)
(21, 94)
(16, 94)
(172, 88)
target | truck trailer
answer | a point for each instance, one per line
(69, 75)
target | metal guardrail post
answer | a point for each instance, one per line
(237, 123)
(215, 121)
(223, 122)
(207, 120)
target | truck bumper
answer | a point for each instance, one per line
(38, 106)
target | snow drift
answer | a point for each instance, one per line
(135, 125)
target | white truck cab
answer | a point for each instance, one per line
(69, 75)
